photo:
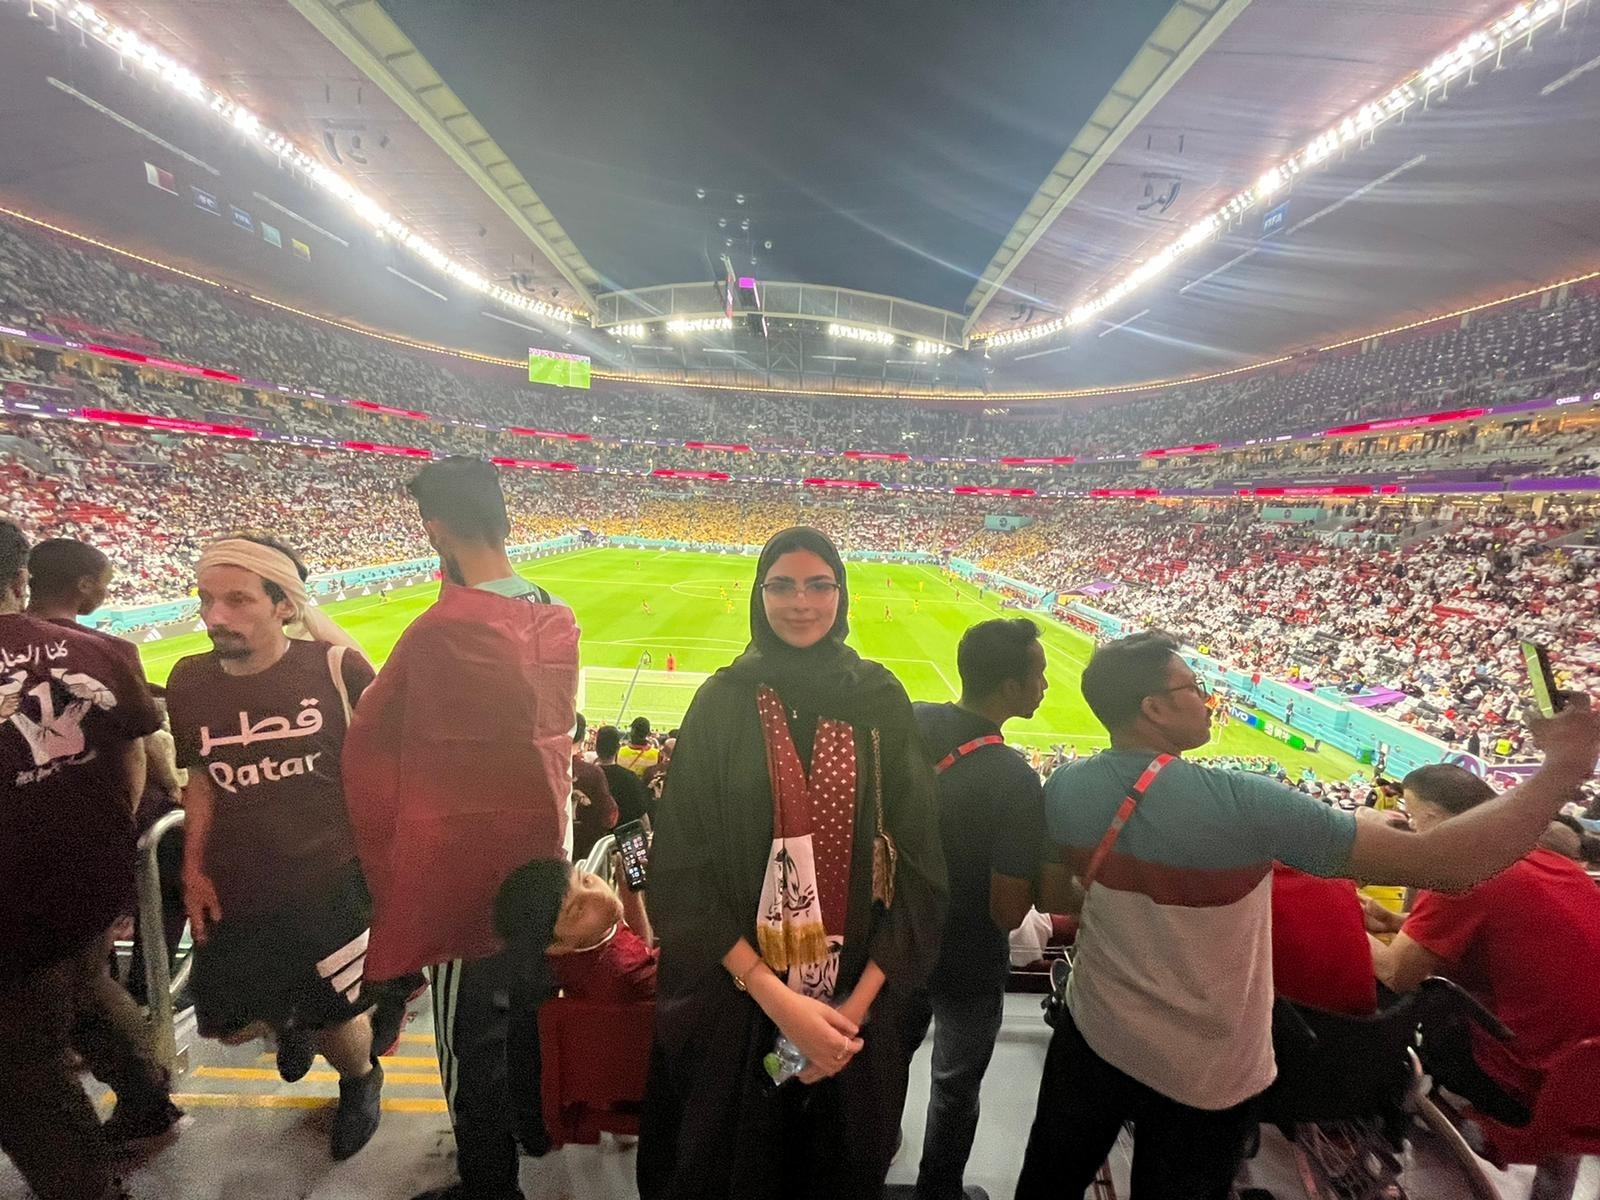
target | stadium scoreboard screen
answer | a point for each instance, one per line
(557, 369)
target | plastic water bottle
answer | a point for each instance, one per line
(785, 1061)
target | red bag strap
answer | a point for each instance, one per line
(966, 748)
(1141, 785)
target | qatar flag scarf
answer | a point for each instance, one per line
(805, 895)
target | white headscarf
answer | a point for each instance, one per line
(309, 622)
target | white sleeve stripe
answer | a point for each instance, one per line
(351, 974)
(341, 958)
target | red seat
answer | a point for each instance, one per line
(1566, 1113)
(594, 1061)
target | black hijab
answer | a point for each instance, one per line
(825, 679)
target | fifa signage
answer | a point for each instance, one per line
(1275, 219)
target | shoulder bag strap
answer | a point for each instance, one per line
(966, 748)
(885, 854)
(1097, 860)
(336, 669)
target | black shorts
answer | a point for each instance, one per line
(299, 967)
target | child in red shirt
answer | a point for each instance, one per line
(604, 949)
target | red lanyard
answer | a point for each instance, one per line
(1117, 822)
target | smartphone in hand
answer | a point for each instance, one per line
(633, 843)
(1546, 696)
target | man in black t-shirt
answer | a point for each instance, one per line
(991, 820)
(633, 802)
(71, 714)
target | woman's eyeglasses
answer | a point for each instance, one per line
(787, 589)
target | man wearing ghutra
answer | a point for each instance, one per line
(275, 896)
(798, 887)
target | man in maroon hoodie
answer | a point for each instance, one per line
(458, 770)
(595, 814)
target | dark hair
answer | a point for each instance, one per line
(1122, 673)
(639, 730)
(992, 652)
(13, 551)
(579, 728)
(1446, 786)
(672, 733)
(464, 494)
(607, 741)
(275, 593)
(57, 564)
(1588, 843)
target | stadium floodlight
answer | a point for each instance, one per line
(1488, 42)
(854, 333)
(130, 46)
(634, 329)
(932, 349)
(701, 325)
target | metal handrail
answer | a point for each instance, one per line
(627, 695)
(599, 860)
(161, 987)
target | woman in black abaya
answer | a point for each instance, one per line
(797, 883)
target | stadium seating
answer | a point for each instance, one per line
(1421, 600)
(1530, 348)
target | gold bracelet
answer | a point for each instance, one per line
(739, 980)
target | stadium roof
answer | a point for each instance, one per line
(314, 79)
(997, 163)
(885, 147)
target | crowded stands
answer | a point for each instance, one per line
(836, 875)
(1533, 348)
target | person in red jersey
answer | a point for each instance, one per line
(1319, 944)
(1526, 942)
(72, 713)
(603, 948)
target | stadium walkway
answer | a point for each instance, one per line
(252, 1137)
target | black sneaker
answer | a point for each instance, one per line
(360, 1109)
(130, 1128)
(295, 1055)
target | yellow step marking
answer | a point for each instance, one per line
(398, 1060)
(417, 1039)
(417, 1104)
(310, 1076)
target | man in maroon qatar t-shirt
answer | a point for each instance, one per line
(276, 899)
(70, 709)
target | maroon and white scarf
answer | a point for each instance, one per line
(805, 896)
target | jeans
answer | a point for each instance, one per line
(964, 1033)
(47, 1125)
(1179, 1152)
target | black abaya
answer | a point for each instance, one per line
(714, 1125)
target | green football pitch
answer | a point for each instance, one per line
(695, 607)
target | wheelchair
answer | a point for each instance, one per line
(1348, 1089)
